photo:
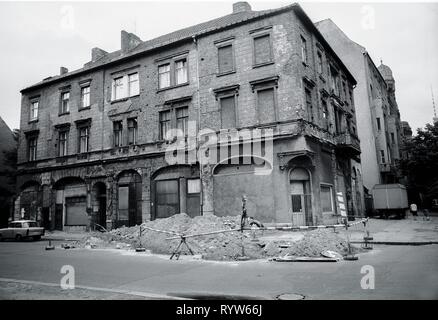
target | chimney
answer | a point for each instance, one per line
(129, 41)
(97, 53)
(63, 70)
(241, 6)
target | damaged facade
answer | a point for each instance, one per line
(93, 141)
(378, 117)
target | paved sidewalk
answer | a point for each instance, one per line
(405, 231)
(64, 236)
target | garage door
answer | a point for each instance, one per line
(76, 211)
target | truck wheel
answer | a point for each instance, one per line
(18, 237)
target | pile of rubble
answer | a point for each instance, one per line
(228, 245)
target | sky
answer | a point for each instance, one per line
(37, 38)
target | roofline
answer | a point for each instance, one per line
(307, 20)
(378, 71)
(293, 6)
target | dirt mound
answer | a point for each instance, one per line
(220, 246)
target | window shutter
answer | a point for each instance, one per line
(266, 105)
(262, 49)
(225, 59)
(228, 112)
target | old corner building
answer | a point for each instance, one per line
(92, 141)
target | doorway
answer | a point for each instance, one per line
(100, 202)
(301, 198)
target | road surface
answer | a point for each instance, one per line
(401, 272)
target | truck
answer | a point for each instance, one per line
(390, 199)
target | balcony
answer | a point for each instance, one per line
(348, 143)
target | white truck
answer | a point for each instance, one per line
(390, 199)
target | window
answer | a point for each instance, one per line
(382, 156)
(165, 124)
(126, 86)
(34, 110)
(325, 114)
(378, 124)
(164, 76)
(351, 98)
(266, 105)
(303, 50)
(84, 135)
(344, 90)
(118, 133)
(225, 58)
(181, 71)
(182, 119)
(65, 102)
(326, 198)
(228, 112)
(85, 97)
(132, 131)
(133, 84)
(309, 105)
(262, 49)
(392, 137)
(193, 186)
(334, 81)
(118, 88)
(319, 66)
(32, 148)
(63, 143)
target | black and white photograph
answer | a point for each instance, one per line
(232, 151)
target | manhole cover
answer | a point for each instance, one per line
(290, 296)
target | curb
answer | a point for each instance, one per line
(398, 243)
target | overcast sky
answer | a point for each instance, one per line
(37, 38)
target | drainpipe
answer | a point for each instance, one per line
(201, 194)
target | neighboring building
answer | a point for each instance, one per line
(378, 117)
(93, 142)
(8, 162)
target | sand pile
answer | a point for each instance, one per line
(220, 246)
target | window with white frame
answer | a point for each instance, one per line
(182, 120)
(34, 110)
(65, 102)
(132, 130)
(165, 123)
(85, 97)
(63, 143)
(118, 88)
(118, 133)
(133, 84)
(84, 136)
(32, 147)
(180, 71)
(164, 76)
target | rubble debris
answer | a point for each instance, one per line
(217, 246)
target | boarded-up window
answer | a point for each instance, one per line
(266, 105)
(167, 198)
(262, 49)
(123, 199)
(228, 112)
(225, 58)
(326, 199)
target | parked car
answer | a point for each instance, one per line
(22, 229)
